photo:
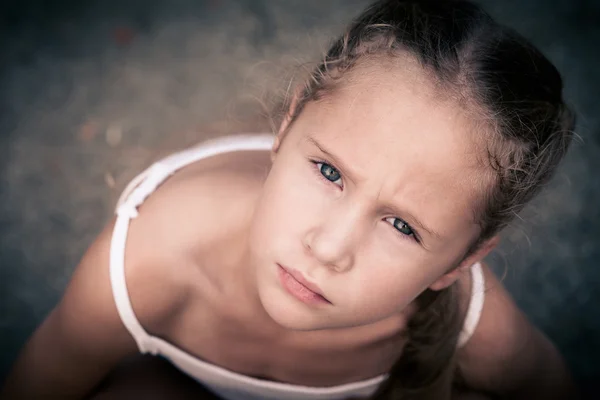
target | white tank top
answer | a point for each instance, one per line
(225, 383)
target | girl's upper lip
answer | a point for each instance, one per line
(300, 278)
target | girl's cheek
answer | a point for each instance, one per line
(287, 196)
(297, 196)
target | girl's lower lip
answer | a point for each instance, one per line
(298, 290)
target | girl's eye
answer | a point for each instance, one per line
(401, 226)
(329, 173)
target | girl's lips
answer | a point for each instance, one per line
(300, 288)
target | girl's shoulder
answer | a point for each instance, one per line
(203, 199)
(504, 345)
(181, 223)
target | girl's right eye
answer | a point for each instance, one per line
(330, 173)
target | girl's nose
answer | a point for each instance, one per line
(334, 240)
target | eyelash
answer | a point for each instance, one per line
(319, 163)
(317, 169)
(413, 235)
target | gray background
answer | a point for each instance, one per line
(93, 91)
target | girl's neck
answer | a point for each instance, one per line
(231, 270)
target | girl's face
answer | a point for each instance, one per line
(370, 199)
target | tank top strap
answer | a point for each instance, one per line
(145, 183)
(475, 305)
(135, 194)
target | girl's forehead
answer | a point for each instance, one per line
(394, 116)
(400, 140)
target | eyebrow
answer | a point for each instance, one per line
(411, 219)
(336, 160)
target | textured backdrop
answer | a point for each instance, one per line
(92, 91)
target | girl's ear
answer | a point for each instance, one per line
(452, 276)
(287, 120)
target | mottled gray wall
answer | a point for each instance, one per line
(92, 91)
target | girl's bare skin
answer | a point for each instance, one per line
(369, 196)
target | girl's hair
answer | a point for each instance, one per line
(499, 76)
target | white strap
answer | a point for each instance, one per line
(131, 186)
(127, 208)
(226, 144)
(119, 286)
(475, 305)
(133, 197)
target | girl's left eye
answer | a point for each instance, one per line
(329, 173)
(401, 226)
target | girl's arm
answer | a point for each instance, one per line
(83, 338)
(507, 357)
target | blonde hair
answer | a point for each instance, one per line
(528, 130)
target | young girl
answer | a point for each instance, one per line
(341, 257)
